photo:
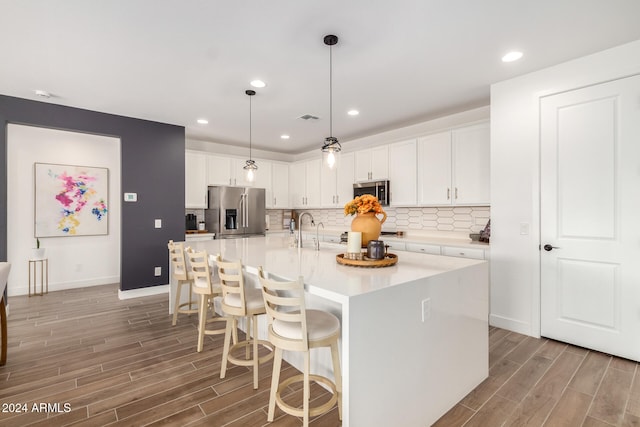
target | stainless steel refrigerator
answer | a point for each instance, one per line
(235, 211)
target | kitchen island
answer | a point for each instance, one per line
(414, 335)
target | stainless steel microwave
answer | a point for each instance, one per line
(380, 189)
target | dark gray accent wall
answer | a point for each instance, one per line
(152, 165)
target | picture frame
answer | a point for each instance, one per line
(70, 200)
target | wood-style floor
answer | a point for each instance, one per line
(112, 362)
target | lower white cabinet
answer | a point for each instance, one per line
(463, 252)
(423, 248)
(395, 246)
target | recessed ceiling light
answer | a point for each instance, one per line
(512, 56)
(203, 121)
(353, 112)
(258, 83)
(284, 136)
(42, 93)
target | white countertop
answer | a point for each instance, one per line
(323, 276)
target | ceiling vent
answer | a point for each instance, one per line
(308, 117)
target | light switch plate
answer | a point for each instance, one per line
(157, 271)
(158, 223)
(426, 309)
(130, 197)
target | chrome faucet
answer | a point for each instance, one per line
(300, 226)
(317, 236)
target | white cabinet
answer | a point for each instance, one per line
(471, 159)
(336, 185)
(195, 182)
(463, 252)
(434, 173)
(263, 179)
(227, 171)
(304, 184)
(423, 248)
(280, 185)
(454, 167)
(372, 164)
(395, 245)
(403, 173)
(274, 178)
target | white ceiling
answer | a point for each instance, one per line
(398, 62)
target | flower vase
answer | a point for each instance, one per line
(369, 225)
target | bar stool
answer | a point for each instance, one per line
(292, 327)
(183, 277)
(204, 287)
(239, 301)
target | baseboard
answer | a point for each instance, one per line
(143, 292)
(512, 325)
(24, 290)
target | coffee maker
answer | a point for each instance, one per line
(191, 222)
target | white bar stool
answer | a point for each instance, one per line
(294, 328)
(183, 277)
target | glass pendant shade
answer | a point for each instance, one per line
(250, 169)
(330, 151)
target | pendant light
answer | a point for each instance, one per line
(331, 146)
(250, 167)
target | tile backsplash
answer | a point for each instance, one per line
(468, 219)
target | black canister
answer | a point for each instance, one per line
(375, 249)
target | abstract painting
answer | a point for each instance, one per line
(71, 200)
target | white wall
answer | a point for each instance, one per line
(74, 261)
(515, 258)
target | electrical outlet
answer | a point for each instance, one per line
(426, 309)
(158, 223)
(158, 271)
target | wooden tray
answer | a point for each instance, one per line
(196, 231)
(387, 261)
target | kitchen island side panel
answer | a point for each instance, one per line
(406, 370)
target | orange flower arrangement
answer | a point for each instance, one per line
(363, 204)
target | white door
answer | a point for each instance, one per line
(590, 223)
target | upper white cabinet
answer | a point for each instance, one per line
(434, 173)
(280, 185)
(471, 159)
(454, 167)
(195, 183)
(304, 184)
(336, 185)
(226, 171)
(274, 178)
(372, 164)
(403, 173)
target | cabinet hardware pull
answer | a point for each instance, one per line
(456, 193)
(448, 193)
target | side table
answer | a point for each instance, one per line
(44, 275)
